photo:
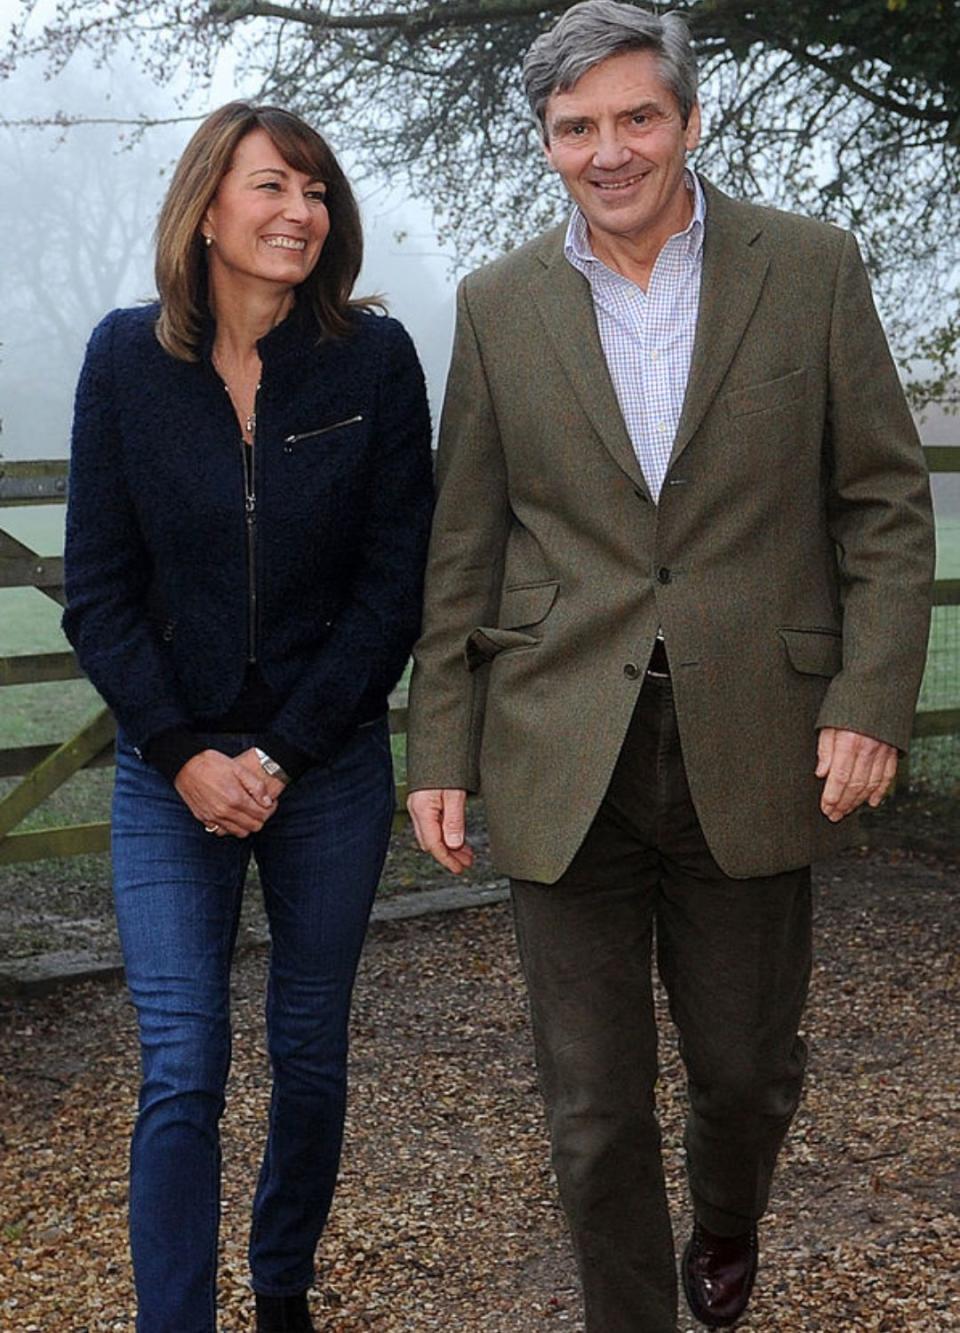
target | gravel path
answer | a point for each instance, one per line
(446, 1218)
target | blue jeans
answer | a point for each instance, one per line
(178, 891)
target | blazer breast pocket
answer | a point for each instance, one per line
(769, 396)
(522, 608)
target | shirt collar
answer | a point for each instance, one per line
(577, 249)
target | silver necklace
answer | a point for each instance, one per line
(248, 424)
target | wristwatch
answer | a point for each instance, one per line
(270, 766)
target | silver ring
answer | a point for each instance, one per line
(211, 828)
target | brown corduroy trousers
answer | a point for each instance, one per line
(734, 956)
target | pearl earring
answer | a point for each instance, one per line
(208, 241)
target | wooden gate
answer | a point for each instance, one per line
(42, 769)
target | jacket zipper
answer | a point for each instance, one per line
(250, 518)
(322, 430)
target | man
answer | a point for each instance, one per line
(675, 626)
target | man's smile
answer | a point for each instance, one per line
(625, 184)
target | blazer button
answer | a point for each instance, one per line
(663, 574)
(631, 671)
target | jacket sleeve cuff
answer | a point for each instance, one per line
(169, 750)
(294, 762)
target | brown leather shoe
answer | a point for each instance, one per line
(718, 1274)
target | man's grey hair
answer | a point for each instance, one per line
(597, 29)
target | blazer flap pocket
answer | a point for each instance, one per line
(815, 652)
(486, 641)
(527, 604)
(762, 397)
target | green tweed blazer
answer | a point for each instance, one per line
(789, 559)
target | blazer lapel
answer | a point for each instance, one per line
(563, 298)
(734, 269)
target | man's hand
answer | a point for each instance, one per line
(438, 820)
(857, 768)
(223, 791)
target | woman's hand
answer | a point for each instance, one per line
(275, 786)
(225, 792)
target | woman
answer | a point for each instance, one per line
(250, 495)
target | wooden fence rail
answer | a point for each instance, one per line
(42, 769)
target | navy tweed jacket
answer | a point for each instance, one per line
(156, 572)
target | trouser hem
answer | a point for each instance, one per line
(264, 1289)
(721, 1222)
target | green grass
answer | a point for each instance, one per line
(38, 526)
(935, 762)
(948, 548)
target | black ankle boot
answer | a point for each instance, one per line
(283, 1314)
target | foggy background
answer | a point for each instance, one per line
(77, 212)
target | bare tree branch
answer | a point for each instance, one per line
(64, 121)
(834, 70)
(848, 111)
(427, 18)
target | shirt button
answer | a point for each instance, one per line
(663, 574)
(631, 671)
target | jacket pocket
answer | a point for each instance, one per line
(527, 603)
(290, 440)
(526, 606)
(814, 652)
(780, 392)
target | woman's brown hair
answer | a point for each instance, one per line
(181, 264)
